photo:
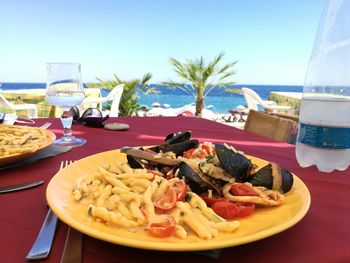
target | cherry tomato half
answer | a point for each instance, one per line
(180, 188)
(188, 153)
(242, 190)
(245, 209)
(166, 201)
(211, 200)
(225, 209)
(163, 228)
(206, 148)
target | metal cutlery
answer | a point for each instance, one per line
(72, 252)
(42, 245)
(18, 187)
(46, 125)
(43, 242)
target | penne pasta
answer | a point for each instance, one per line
(125, 197)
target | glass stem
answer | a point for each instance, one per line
(67, 120)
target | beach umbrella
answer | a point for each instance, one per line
(155, 104)
(240, 107)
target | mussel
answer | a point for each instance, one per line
(193, 180)
(228, 165)
(135, 162)
(235, 163)
(273, 177)
(178, 143)
(177, 137)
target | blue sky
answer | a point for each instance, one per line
(271, 39)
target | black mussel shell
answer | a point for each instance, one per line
(273, 177)
(263, 177)
(236, 164)
(219, 177)
(287, 181)
(134, 162)
(177, 137)
(212, 183)
(179, 148)
(153, 149)
(193, 180)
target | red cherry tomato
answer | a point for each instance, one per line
(166, 201)
(242, 190)
(169, 175)
(188, 153)
(202, 154)
(164, 228)
(245, 209)
(211, 200)
(180, 188)
(225, 209)
(206, 148)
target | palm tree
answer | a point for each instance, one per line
(201, 78)
(129, 100)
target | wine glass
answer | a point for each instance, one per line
(65, 90)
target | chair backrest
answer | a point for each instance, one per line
(115, 96)
(252, 98)
(5, 102)
(114, 92)
(279, 129)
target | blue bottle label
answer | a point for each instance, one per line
(324, 137)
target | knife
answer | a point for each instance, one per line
(18, 187)
(42, 245)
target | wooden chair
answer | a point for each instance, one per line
(285, 116)
(277, 128)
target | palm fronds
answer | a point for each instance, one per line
(201, 76)
(129, 100)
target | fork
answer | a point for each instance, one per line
(42, 245)
(46, 125)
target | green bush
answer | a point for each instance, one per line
(129, 100)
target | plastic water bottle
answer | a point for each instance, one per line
(324, 122)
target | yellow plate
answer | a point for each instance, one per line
(263, 223)
(48, 140)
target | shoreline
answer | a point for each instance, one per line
(219, 98)
(236, 119)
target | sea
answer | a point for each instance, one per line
(220, 99)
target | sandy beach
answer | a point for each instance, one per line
(236, 118)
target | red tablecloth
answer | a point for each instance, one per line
(323, 235)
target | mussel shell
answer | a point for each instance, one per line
(236, 164)
(219, 174)
(139, 163)
(177, 137)
(212, 183)
(270, 173)
(263, 177)
(134, 162)
(287, 180)
(153, 149)
(180, 147)
(193, 180)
